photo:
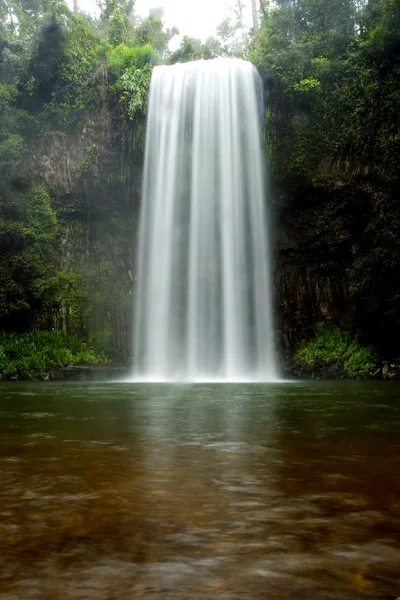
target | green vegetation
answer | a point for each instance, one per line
(331, 72)
(65, 232)
(334, 345)
(28, 227)
(333, 87)
(34, 354)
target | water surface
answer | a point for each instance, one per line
(117, 491)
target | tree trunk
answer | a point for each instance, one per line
(255, 15)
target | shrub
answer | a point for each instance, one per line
(331, 344)
(123, 57)
(32, 354)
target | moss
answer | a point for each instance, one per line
(87, 160)
(331, 345)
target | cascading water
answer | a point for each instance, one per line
(203, 299)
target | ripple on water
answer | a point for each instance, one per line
(39, 415)
(230, 447)
(237, 513)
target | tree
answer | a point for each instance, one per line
(233, 33)
(254, 12)
(189, 49)
(331, 75)
(152, 31)
(28, 227)
(58, 69)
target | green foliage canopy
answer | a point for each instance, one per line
(58, 68)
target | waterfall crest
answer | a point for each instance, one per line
(203, 299)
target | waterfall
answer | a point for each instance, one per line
(203, 295)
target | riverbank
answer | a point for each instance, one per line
(46, 355)
(333, 353)
(55, 356)
(292, 369)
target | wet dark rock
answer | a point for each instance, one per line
(89, 373)
(319, 370)
(391, 370)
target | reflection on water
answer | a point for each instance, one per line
(118, 491)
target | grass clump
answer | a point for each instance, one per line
(332, 344)
(33, 355)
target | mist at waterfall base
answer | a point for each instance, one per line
(203, 307)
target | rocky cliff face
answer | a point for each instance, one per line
(304, 298)
(94, 179)
(337, 260)
(61, 160)
(310, 279)
(94, 182)
(328, 240)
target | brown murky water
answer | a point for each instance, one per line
(121, 491)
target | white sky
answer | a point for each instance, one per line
(196, 18)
